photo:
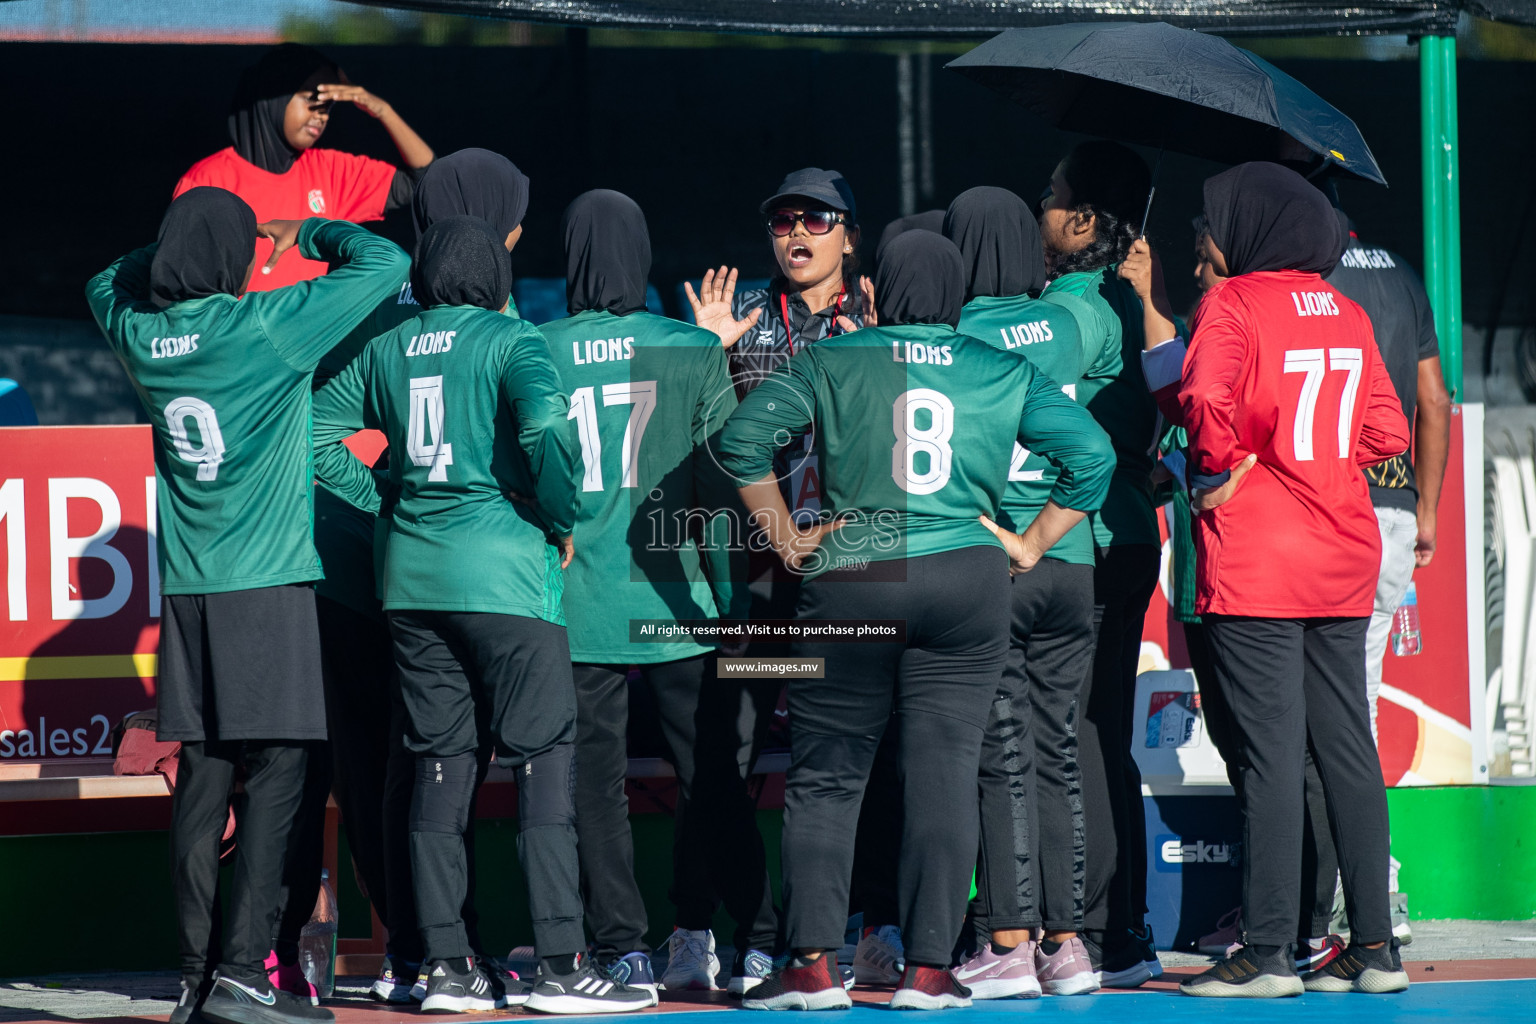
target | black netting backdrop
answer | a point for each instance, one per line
(932, 18)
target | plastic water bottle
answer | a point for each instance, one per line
(1406, 638)
(317, 940)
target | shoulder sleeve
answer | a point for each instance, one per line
(339, 411)
(531, 385)
(111, 293)
(725, 562)
(781, 406)
(361, 186)
(1423, 315)
(1207, 400)
(304, 321)
(1056, 427)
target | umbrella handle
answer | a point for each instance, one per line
(1151, 193)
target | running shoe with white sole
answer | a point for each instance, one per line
(459, 985)
(253, 1000)
(192, 993)
(1402, 931)
(929, 988)
(510, 989)
(801, 985)
(993, 975)
(880, 958)
(586, 990)
(691, 961)
(1065, 970)
(747, 972)
(419, 987)
(1358, 969)
(634, 970)
(290, 978)
(1120, 966)
(1148, 946)
(1247, 975)
(393, 985)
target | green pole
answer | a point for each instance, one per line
(1442, 198)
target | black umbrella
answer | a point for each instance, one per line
(1151, 83)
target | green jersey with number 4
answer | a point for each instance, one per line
(915, 423)
(1050, 336)
(481, 453)
(226, 384)
(656, 515)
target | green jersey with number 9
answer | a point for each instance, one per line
(915, 424)
(1050, 336)
(226, 383)
(657, 518)
(481, 451)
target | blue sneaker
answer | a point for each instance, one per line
(634, 970)
(750, 968)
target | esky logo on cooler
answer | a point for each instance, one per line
(316, 201)
(1173, 852)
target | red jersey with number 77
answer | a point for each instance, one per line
(1282, 365)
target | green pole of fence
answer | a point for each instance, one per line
(1441, 166)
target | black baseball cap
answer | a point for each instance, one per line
(829, 188)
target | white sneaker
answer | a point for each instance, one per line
(691, 961)
(880, 958)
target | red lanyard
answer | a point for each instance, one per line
(789, 329)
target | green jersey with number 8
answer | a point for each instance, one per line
(916, 423)
(482, 454)
(226, 383)
(657, 515)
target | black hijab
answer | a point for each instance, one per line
(471, 183)
(256, 117)
(461, 261)
(207, 241)
(1266, 217)
(607, 253)
(920, 281)
(928, 220)
(999, 239)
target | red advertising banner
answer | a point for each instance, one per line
(82, 591)
(1425, 718)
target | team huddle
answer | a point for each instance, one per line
(963, 444)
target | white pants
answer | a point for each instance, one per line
(1399, 534)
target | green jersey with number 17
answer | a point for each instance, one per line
(1049, 335)
(482, 455)
(226, 384)
(657, 515)
(917, 423)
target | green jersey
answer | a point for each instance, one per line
(1049, 335)
(226, 384)
(342, 530)
(1115, 392)
(482, 456)
(914, 422)
(648, 395)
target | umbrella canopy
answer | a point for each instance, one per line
(1151, 83)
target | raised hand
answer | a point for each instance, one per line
(871, 319)
(354, 94)
(712, 306)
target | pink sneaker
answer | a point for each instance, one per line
(1067, 971)
(1008, 975)
(290, 978)
(1227, 939)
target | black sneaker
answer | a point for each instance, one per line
(634, 970)
(586, 990)
(1359, 969)
(1120, 966)
(459, 985)
(253, 1000)
(801, 985)
(509, 988)
(1245, 974)
(929, 988)
(193, 991)
(1148, 946)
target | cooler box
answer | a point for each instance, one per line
(1194, 825)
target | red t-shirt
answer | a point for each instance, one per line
(1283, 365)
(321, 183)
